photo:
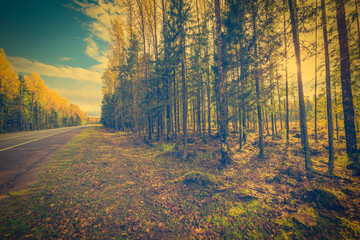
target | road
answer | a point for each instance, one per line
(23, 154)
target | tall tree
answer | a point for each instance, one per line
(183, 68)
(348, 105)
(302, 113)
(287, 127)
(316, 66)
(328, 90)
(223, 112)
(257, 82)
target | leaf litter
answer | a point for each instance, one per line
(111, 185)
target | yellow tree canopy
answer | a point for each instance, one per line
(9, 81)
(37, 87)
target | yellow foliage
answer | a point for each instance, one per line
(9, 81)
(49, 99)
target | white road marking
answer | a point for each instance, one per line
(33, 140)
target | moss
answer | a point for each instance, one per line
(326, 228)
(306, 217)
(349, 228)
(201, 179)
(18, 193)
(324, 198)
(237, 211)
(165, 147)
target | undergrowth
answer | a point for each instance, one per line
(111, 185)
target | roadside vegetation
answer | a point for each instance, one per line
(112, 185)
(27, 103)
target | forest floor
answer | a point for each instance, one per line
(112, 185)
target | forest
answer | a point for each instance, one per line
(221, 119)
(234, 68)
(28, 104)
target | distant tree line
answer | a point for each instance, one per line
(224, 65)
(26, 103)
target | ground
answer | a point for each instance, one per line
(111, 185)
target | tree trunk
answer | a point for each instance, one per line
(240, 130)
(328, 91)
(223, 114)
(208, 103)
(279, 101)
(145, 57)
(336, 112)
(348, 105)
(315, 95)
(287, 127)
(257, 85)
(155, 33)
(183, 75)
(302, 113)
(357, 24)
(166, 75)
(175, 107)
(273, 119)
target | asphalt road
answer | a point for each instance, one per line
(23, 154)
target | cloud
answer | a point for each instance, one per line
(28, 66)
(65, 59)
(101, 11)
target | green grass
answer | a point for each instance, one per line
(111, 185)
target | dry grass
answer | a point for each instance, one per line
(108, 184)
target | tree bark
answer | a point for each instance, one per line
(328, 91)
(223, 114)
(302, 113)
(348, 105)
(166, 75)
(257, 85)
(315, 94)
(287, 127)
(183, 76)
(279, 102)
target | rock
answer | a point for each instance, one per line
(324, 198)
(200, 179)
(178, 154)
(305, 219)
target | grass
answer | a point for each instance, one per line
(110, 185)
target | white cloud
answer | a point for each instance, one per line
(65, 59)
(102, 11)
(28, 66)
(92, 50)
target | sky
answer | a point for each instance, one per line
(64, 41)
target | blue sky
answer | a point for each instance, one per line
(64, 41)
(67, 41)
